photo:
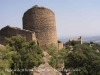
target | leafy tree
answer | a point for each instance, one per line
(86, 44)
(57, 56)
(52, 62)
(26, 55)
(52, 50)
(74, 42)
(5, 60)
(85, 59)
(91, 42)
(67, 47)
(59, 41)
(95, 46)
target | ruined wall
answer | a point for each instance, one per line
(2, 40)
(60, 46)
(42, 21)
(79, 40)
(13, 31)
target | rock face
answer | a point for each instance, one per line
(45, 69)
(41, 20)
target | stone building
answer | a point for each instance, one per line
(79, 40)
(38, 24)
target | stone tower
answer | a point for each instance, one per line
(41, 20)
(81, 39)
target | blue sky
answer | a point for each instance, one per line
(73, 17)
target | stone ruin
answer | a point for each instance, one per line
(38, 24)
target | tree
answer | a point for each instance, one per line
(91, 42)
(74, 42)
(85, 59)
(57, 57)
(26, 55)
(59, 41)
(95, 46)
(5, 60)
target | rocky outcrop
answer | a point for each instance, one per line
(45, 69)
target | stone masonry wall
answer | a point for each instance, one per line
(42, 21)
(2, 40)
(13, 31)
(60, 46)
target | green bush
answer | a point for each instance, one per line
(85, 59)
(26, 55)
(57, 56)
(74, 42)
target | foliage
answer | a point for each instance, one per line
(95, 46)
(74, 42)
(91, 42)
(85, 59)
(34, 6)
(26, 55)
(67, 47)
(5, 60)
(57, 56)
(59, 41)
(52, 62)
(86, 44)
(52, 50)
(20, 54)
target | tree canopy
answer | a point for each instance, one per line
(85, 59)
(24, 55)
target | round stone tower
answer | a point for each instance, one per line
(41, 20)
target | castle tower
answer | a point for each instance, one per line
(41, 20)
(81, 39)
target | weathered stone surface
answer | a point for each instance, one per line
(13, 31)
(75, 39)
(45, 69)
(2, 40)
(60, 46)
(41, 20)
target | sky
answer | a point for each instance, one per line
(73, 17)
